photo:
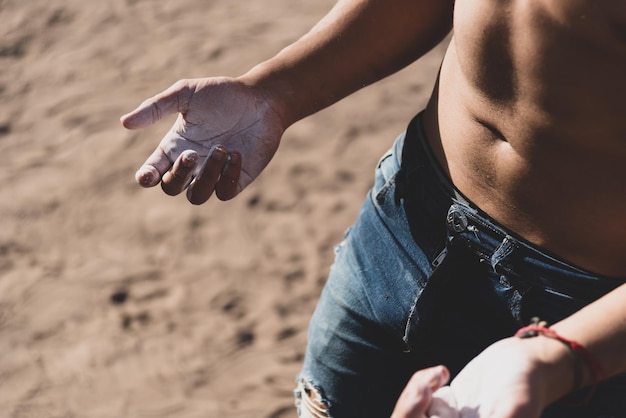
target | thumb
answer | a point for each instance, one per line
(174, 99)
(417, 395)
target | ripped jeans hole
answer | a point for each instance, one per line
(309, 401)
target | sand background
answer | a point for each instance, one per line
(117, 301)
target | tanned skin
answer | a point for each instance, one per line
(529, 118)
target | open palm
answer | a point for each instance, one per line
(225, 135)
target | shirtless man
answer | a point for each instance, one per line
(525, 136)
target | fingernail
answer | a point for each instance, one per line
(219, 154)
(190, 159)
(145, 176)
(234, 157)
(145, 179)
(442, 375)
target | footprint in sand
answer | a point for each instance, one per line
(141, 301)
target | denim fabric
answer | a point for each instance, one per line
(434, 287)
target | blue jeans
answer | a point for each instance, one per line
(425, 278)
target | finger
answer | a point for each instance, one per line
(438, 377)
(175, 180)
(204, 184)
(433, 378)
(228, 184)
(443, 404)
(157, 164)
(174, 99)
(417, 395)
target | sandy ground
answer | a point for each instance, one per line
(117, 301)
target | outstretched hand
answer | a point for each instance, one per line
(225, 135)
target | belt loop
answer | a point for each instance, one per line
(506, 247)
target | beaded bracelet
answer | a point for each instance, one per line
(579, 352)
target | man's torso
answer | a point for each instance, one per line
(529, 119)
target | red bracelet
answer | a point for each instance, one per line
(580, 353)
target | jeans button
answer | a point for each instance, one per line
(456, 219)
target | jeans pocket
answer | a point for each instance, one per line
(381, 194)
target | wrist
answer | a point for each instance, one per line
(554, 368)
(272, 83)
(268, 93)
(585, 367)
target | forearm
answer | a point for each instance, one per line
(357, 43)
(599, 327)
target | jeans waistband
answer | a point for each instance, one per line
(462, 222)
